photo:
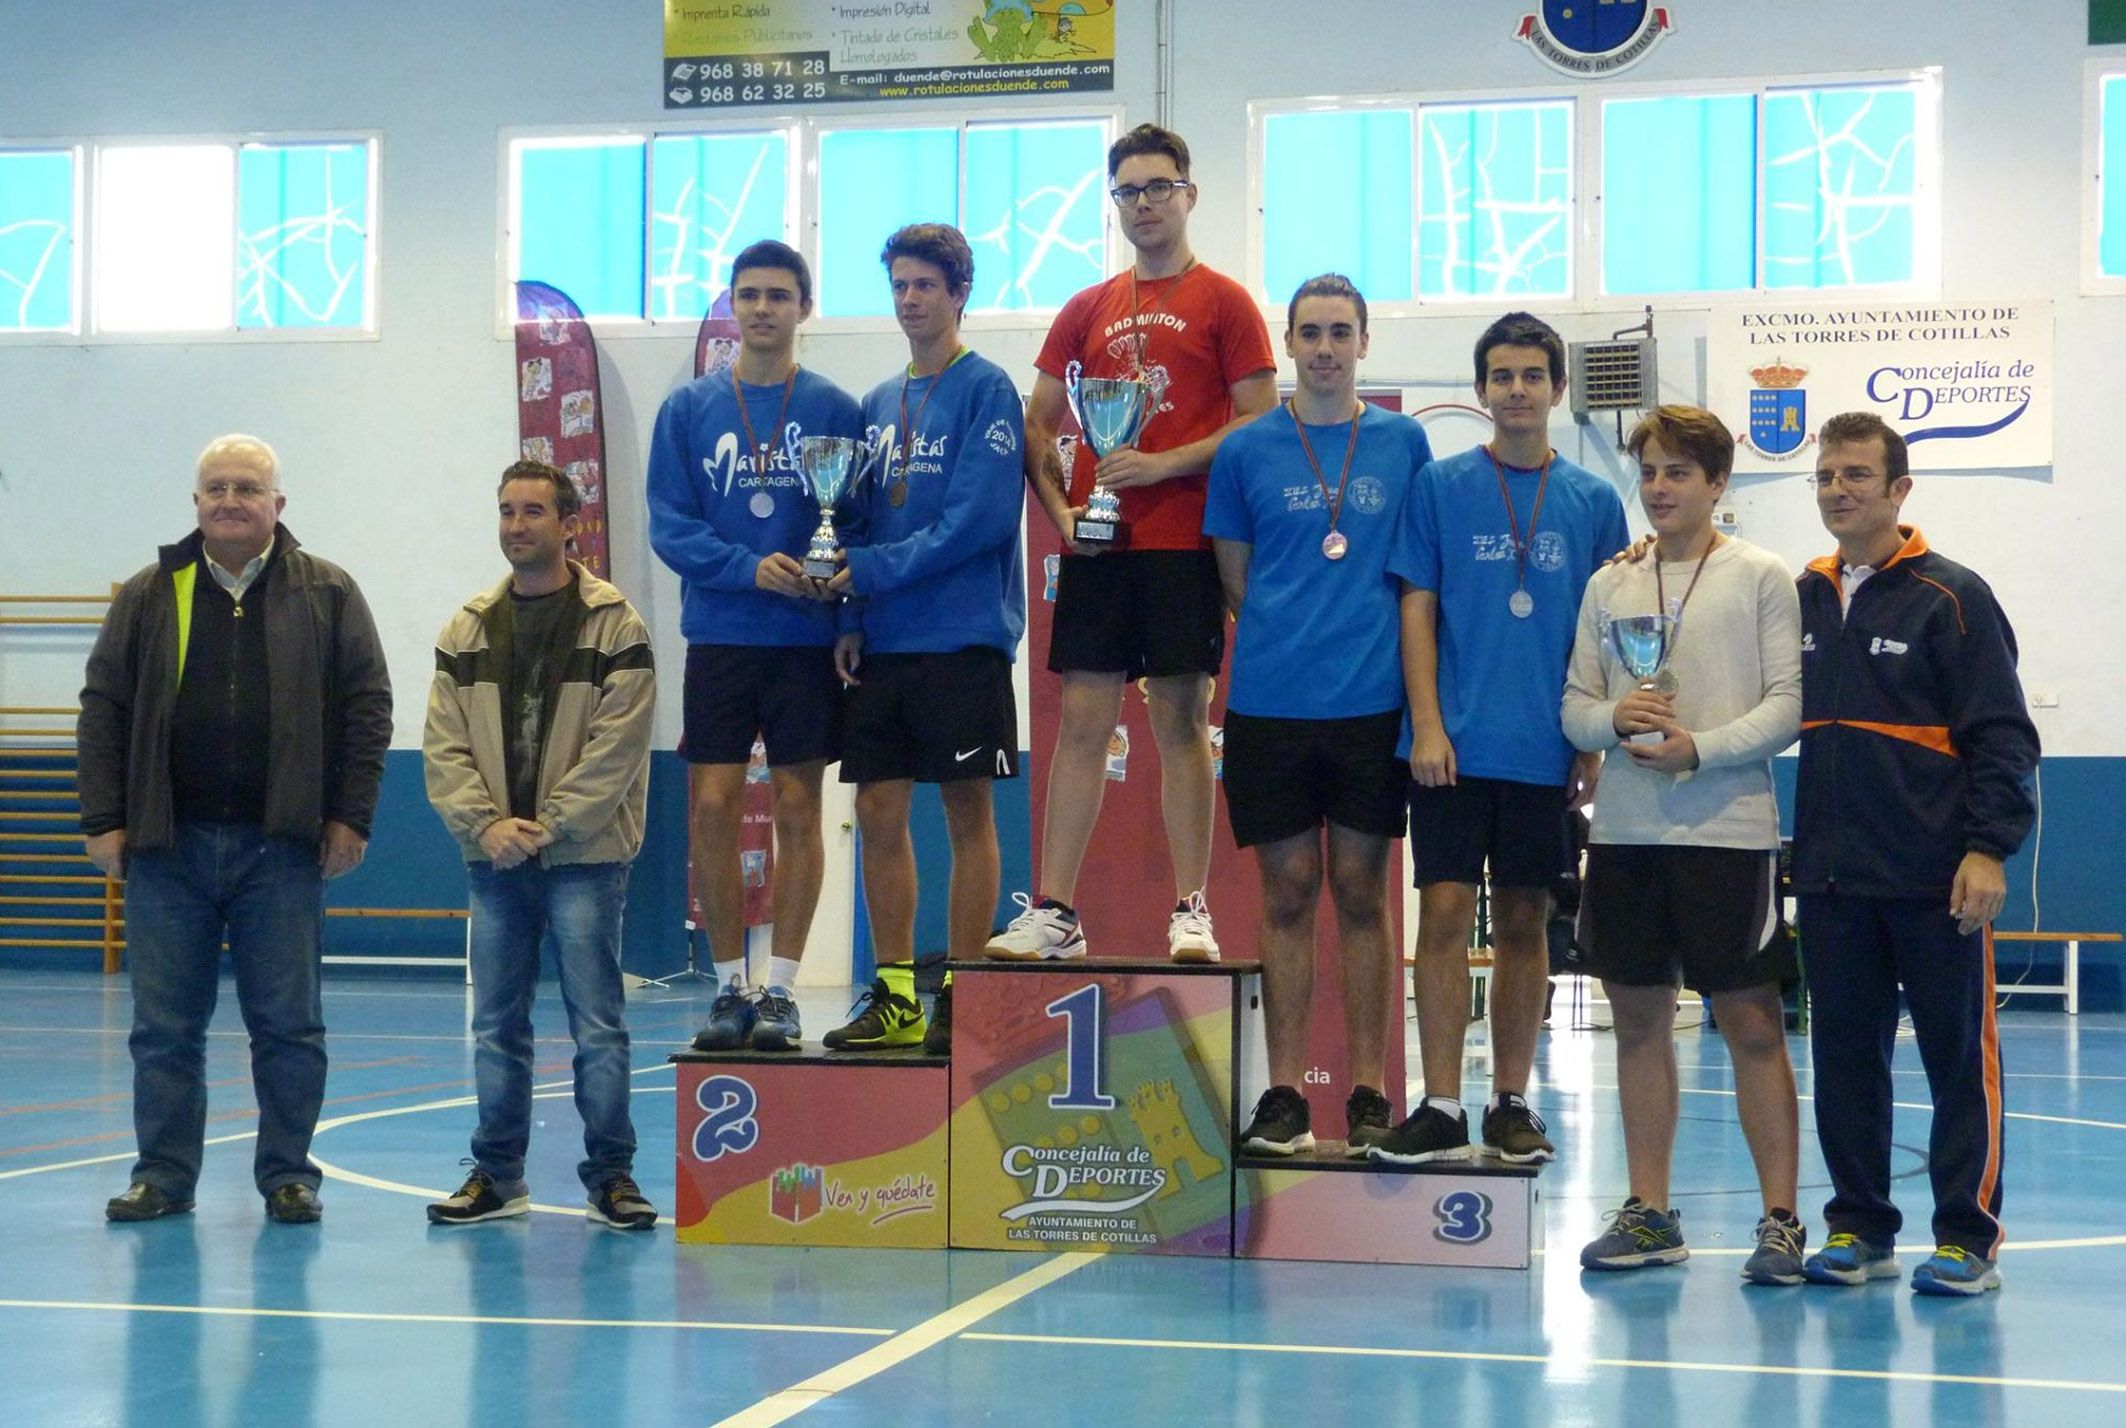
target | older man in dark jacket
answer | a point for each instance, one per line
(232, 739)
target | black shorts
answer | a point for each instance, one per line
(786, 695)
(934, 718)
(1705, 918)
(1285, 777)
(1138, 613)
(1518, 829)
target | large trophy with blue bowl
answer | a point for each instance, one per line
(834, 466)
(1642, 644)
(1111, 411)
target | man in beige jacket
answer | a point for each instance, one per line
(537, 752)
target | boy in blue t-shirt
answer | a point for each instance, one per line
(1302, 512)
(1496, 546)
(730, 513)
(937, 605)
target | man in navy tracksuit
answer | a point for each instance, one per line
(1916, 752)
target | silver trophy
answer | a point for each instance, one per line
(1111, 411)
(1642, 644)
(834, 466)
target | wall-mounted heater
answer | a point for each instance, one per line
(1619, 375)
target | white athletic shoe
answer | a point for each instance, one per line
(1188, 932)
(1039, 933)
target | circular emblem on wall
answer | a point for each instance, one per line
(1591, 39)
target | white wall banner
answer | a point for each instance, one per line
(1969, 385)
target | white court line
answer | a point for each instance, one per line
(905, 1345)
(126, 1155)
(1543, 1360)
(361, 1317)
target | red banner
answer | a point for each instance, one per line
(560, 418)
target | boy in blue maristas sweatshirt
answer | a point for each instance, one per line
(937, 607)
(731, 513)
(1497, 544)
(1302, 512)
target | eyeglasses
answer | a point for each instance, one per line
(1158, 191)
(1852, 478)
(241, 490)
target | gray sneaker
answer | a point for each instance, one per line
(1777, 1258)
(1638, 1236)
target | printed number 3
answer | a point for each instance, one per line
(1464, 1217)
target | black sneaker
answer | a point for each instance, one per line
(730, 1022)
(479, 1199)
(293, 1204)
(1515, 1134)
(142, 1201)
(619, 1203)
(1366, 1114)
(1282, 1124)
(775, 1025)
(937, 1041)
(1426, 1135)
(884, 1018)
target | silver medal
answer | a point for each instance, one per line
(1522, 604)
(762, 505)
(1333, 545)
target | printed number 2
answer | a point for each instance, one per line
(1085, 1063)
(729, 1126)
(1464, 1217)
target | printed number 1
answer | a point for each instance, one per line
(1085, 1062)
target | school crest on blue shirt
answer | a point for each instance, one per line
(1547, 551)
(1368, 497)
(1591, 39)
(1779, 410)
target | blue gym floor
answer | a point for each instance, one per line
(373, 1318)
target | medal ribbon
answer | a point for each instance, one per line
(1513, 521)
(759, 447)
(1661, 594)
(1138, 312)
(907, 432)
(1335, 503)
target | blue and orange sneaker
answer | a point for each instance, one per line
(1954, 1270)
(1849, 1259)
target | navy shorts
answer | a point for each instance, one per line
(1517, 830)
(786, 695)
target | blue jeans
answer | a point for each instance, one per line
(578, 905)
(267, 896)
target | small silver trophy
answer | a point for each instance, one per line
(834, 465)
(1111, 411)
(1642, 644)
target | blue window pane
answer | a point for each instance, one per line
(1495, 200)
(1336, 198)
(302, 235)
(36, 241)
(1679, 194)
(1036, 213)
(711, 195)
(1840, 171)
(2111, 165)
(579, 222)
(872, 181)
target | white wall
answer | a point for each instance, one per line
(390, 445)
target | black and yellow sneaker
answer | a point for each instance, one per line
(937, 1041)
(886, 1016)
